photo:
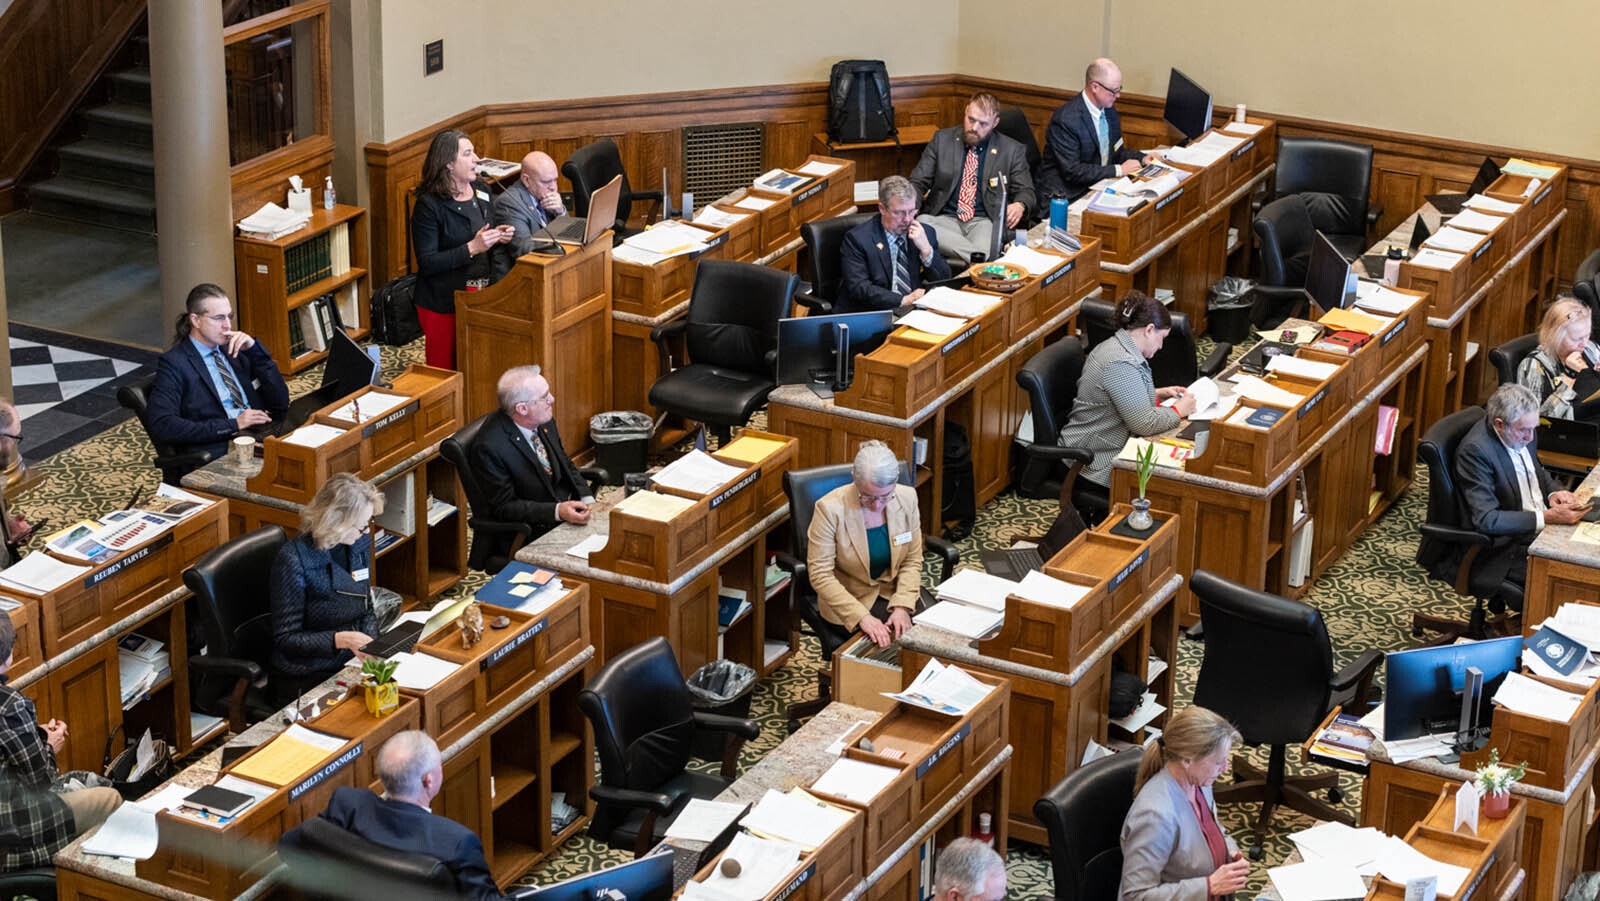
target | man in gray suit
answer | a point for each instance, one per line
(958, 178)
(526, 206)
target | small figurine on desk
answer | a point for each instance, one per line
(471, 623)
(355, 408)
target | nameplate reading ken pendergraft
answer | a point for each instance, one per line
(1130, 569)
(388, 419)
(795, 883)
(950, 744)
(517, 641)
(1060, 271)
(810, 192)
(1311, 404)
(133, 557)
(328, 769)
(957, 341)
(744, 482)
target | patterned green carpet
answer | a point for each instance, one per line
(1367, 598)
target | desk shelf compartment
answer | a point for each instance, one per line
(279, 280)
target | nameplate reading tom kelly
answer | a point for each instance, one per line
(388, 419)
(517, 641)
(133, 557)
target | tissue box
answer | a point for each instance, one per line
(300, 201)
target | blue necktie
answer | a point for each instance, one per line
(1105, 139)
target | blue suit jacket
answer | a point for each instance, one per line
(1487, 485)
(313, 597)
(868, 272)
(408, 828)
(1071, 162)
(185, 408)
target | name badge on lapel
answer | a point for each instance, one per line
(903, 538)
(483, 196)
(360, 575)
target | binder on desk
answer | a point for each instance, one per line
(511, 586)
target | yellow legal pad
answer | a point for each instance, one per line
(285, 758)
(750, 449)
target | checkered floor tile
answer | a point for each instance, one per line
(65, 386)
(43, 375)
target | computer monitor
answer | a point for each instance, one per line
(1422, 687)
(1188, 106)
(349, 368)
(645, 879)
(1487, 173)
(820, 351)
(1327, 274)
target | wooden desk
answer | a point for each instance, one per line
(65, 657)
(1561, 570)
(875, 159)
(1237, 501)
(1059, 662)
(910, 387)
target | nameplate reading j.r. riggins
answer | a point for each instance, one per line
(810, 192)
(950, 745)
(1243, 149)
(132, 558)
(517, 641)
(1311, 404)
(958, 340)
(1130, 569)
(321, 776)
(1051, 278)
(1389, 335)
(1178, 192)
(795, 883)
(388, 419)
(1482, 249)
(744, 482)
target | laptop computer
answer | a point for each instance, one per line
(602, 215)
(1419, 233)
(1569, 436)
(1016, 562)
(402, 638)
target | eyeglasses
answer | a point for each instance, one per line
(219, 317)
(1115, 92)
(17, 437)
(876, 498)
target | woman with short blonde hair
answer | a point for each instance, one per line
(1561, 371)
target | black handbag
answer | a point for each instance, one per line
(120, 767)
(394, 308)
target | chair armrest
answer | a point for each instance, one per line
(670, 330)
(234, 667)
(1218, 358)
(792, 565)
(813, 302)
(949, 554)
(1039, 451)
(1357, 675)
(1452, 535)
(770, 360)
(656, 802)
(653, 198)
(747, 729)
(595, 476)
(1374, 213)
(188, 459)
(498, 527)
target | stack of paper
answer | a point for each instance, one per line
(1355, 321)
(1335, 842)
(39, 573)
(1262, 393)
(652, 505)
(977, 588)
(696, 472)
(1430, 258)
(965, 304)
(819, 168)
(1490, 205)
(763, 865)
(369, 406)
(1530, 696)
(1383, 301)
(943, 689)
(796, 817)
(718, 218)
(961, 619)
(419, 671)
(752, 202)
(1299, 366)
(972, 603)
(702, 821)
(855, 780)
(1043, 589)
(272, 222)
(669, 239)
(1031, 261)
(288, 756)
(1399, 862)
(1474, 220)
(748, 449)
(1317, 880)
(1167, 454)
(130, 831)
(932, 323)
(1452, 239)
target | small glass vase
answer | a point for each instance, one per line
(1496, 804)
(1140, 519)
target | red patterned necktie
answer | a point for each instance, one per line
(969, 186)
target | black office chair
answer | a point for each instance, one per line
(1586, 287)
(1335, 180)
(1014, 125)
(804, 487)
(589, 169)
(38, 883)
(644, 726)
(1082, 815)
(1176, 363)
(1268, 669)
(819, 260)
(731, 336)
(332, 860)
(1050, 378)
(230, 587)
(1286, 233)
(173, 462)
(493, 541)
(1449, 547)
(1508, 356)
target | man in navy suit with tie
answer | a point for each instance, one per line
(527, 206)
(886, 260)
(520, 461)
(215, 381)
(1083, 143)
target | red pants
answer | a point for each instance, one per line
(438, 337)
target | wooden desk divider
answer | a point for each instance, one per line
(220, 862)
(1538, 211)
(654, 290)
(828, 873)
(1491, 858)
(730, 242)
(1255, 456)
(25, 650)
(294, 472)
(662, 550)
(942, 749)
(501, 666)
(1553, 749)
(890, 817)
(827, 195)
(911, 369)
(1119, 571)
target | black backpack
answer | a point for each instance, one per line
(859, 109)
(394, 311)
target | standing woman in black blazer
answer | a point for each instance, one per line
(321, 587)
(452, 234)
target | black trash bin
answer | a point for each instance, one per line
(722, 687)
(1228, 309)
(621, 442)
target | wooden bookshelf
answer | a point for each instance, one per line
(276, 291)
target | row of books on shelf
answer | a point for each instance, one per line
(312, 260)
(311, 324)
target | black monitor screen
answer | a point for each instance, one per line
(645, 879)
(1327, 273)
(1188, 106)
(806, 344)
(1422, 687)
(1487, 173)
(349, 369)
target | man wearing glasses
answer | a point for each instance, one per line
(1083, 143)
(215, 382)
(520, 461)
(1508, 495)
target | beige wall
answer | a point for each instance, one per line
(642, 47)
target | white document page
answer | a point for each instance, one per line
(1473, 220)
(763, 865)
(696, 472)
(312, 435)
(960, 619)
(40, 573)
(1530, 696)
(752, 202)
(702, 820)
(964, 304)
(798, 820)
(1043, 589)
(419, 671)
(718, 218)
(1317, 881)
(818, 167)
(1262, 393)
(1386, 302)
(1490, 205)
(1430, 258)
(855, 780)
(1310, 369)
(932, 323)
(1400, 862)
(978, 588)
(1452, 239)
(1030, 260)
(588, 546)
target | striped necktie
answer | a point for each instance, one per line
(969, 186)
(1104, 128)
(229, 380)
(902, 269)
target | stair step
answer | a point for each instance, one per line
(85, 200)
(131, 85)
(102, 161)
(120, 123)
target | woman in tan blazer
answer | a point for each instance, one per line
(864, 548)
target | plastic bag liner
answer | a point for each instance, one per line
(1231, 293)
(1228, 309)
(720, 682)
(618, 426)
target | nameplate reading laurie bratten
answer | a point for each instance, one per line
(1161, 204)
(810, 192)
(517, 641)
(950, 744)
(1130, 569)
(388, 419)
(133, 557)
(1311, 404)
(795, 883)
(957, 341)
(745, 481)
(1051, 278)
(328, 769)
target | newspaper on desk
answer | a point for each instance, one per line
(946, 689)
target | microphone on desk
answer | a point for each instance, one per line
(553, 243)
